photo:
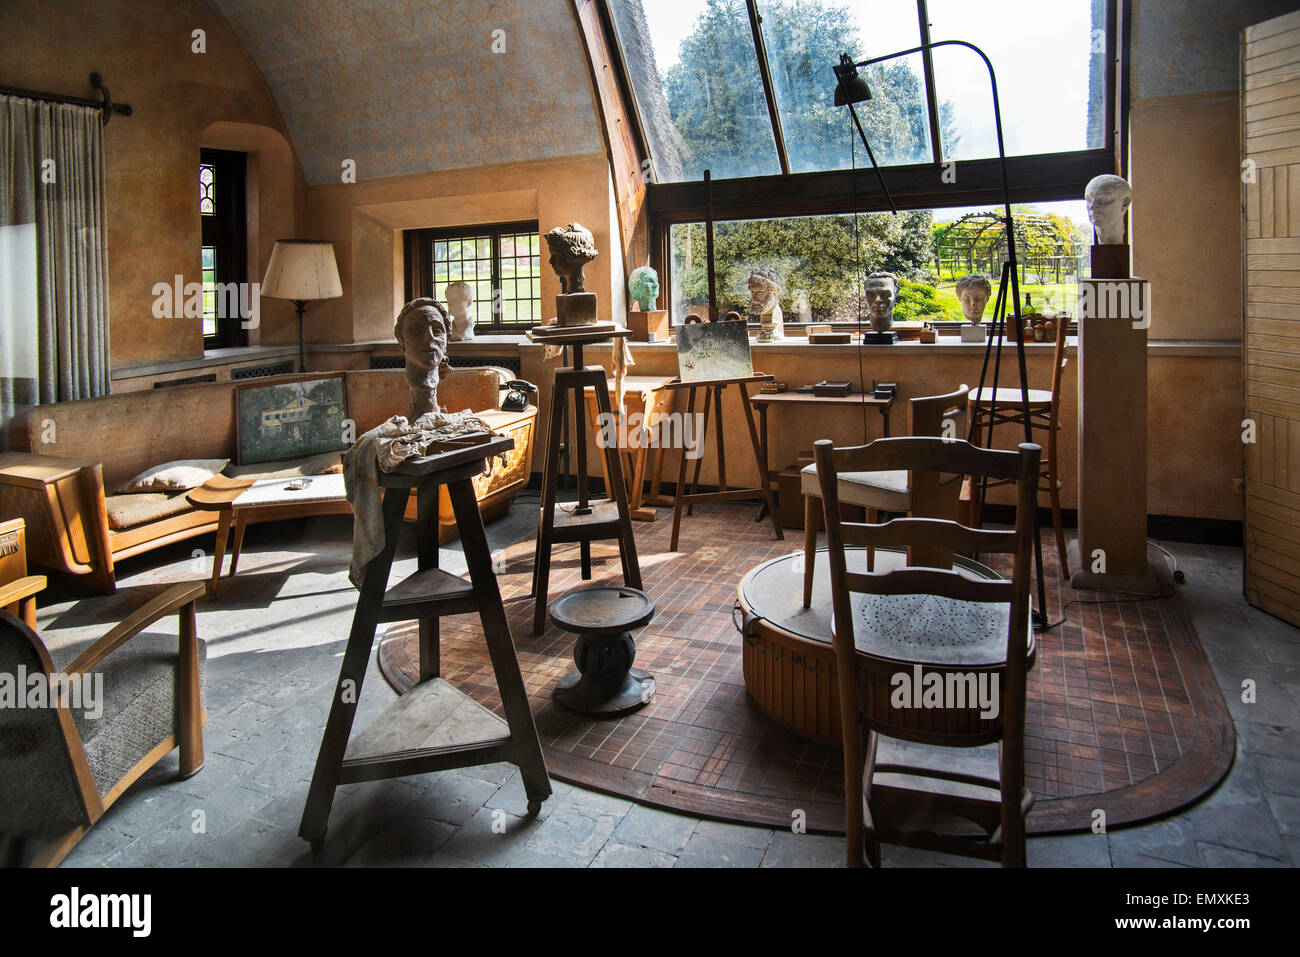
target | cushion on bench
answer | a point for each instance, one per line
(128, 511)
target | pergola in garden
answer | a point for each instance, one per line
(1047, 251)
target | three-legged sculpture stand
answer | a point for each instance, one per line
(434, 726)
(586, 520)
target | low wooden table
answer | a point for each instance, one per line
(767, 400)
(646, 395)
(236, 500)
(605, 684)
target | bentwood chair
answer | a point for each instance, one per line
(1004, 407)
(891, 490)
(932, 624)
(111, 709)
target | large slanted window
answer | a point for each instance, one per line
(224, 253)
(500, 262)
(745, 89)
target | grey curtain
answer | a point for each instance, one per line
(53, 256)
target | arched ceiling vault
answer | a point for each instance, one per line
(412, 86)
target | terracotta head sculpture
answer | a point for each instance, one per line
(880, 289)
(765, 288)
(572, 247)
(460, 296)
(973, 291)
(1108, 198)
(421, 330)
(643, 287)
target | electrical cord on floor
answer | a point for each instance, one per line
(1179, 577)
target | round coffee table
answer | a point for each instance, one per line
(603, 617)
(786, 656)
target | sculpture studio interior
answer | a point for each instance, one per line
(649, 434)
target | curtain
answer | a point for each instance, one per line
(53, 256)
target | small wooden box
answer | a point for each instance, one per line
(651, 326)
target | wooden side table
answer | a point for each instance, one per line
(239, 500)
(18, 590)
(646, 396)
(716, 389)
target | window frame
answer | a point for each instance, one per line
(226, 230)
(1032, 178)
(418, 248)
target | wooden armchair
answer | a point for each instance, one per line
(140, 696)
(18, 590)
(925, 623)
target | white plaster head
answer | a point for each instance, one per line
(973, 291)
(1108, 198)
(460, 296)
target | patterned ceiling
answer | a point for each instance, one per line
(410, 86)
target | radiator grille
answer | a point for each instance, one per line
(260, 372)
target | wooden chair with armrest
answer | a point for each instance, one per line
(892, 490)
(937, 622)
(18, 590)
(62, 767)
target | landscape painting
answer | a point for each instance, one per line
(290, 419)
(713, 350)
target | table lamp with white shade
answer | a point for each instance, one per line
(301, 270)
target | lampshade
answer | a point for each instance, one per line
(851, 87)
(302, 269)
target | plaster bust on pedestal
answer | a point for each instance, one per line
(460, 296)
(421, 330)
(1108, 198)
(643, 287)
(765, 288)
(880, 289)
(973, 292)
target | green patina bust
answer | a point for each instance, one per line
(643, 286)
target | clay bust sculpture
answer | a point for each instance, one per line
(765, 288)
(1108, 198)
(973, 291)
(459, 298)
(643, 287)
(421, 330)
(880, 289)
(572, 247)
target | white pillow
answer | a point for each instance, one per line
(178, 476)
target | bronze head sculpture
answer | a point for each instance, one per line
(572, 247)
(421, 330)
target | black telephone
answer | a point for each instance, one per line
(516, 399)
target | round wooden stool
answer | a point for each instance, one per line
(603, 617)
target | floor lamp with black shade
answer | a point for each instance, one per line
(850, 89)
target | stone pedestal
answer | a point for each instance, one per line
(1111, 551)
(575, 308)
(973, 332)
(880, 338)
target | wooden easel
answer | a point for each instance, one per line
(716, 389)
(434, 726)
(584, 521)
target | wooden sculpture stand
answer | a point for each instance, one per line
(434, 726)
(715, 389)
(583, 521)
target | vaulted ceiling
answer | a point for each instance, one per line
(410, 86)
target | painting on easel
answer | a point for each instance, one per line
(713, 350)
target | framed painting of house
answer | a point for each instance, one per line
(287, 420)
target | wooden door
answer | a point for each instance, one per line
(1271, 284)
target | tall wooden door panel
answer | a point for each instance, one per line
(1271, 183)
